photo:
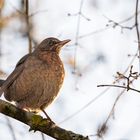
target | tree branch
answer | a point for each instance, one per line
(119, 87)
(38, 123)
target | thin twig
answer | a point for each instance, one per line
(28, 25)
(38, 12)
(77, 34)
(106, 28)
(114, 24)
(112, 110)
(23, 13)
(129, 18)
(104, 126)
(125, 87)
(42, 136)
(131, 62)
(11, 128)
(85, 106)
(137, 28)
(1, 8)
(94, 32)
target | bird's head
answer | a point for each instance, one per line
(52, 44)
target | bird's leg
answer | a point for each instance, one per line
(1, 83)
(47, 115)
(1, 91)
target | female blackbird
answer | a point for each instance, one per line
(37, 78)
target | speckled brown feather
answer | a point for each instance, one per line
(38, 80)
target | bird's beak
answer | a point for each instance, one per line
(59, 45)
(62, 43)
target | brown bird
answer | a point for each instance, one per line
(37, 77)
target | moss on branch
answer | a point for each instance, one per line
(38, 123)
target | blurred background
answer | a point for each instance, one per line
(103, 46)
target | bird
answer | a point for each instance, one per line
(37, 78)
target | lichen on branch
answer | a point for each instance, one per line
(38, 123)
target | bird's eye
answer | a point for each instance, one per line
(51, 43)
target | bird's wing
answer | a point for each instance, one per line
(1, 82)
(22, 60)
(13, 76)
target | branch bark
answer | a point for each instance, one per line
(38, 123)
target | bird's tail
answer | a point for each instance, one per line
(1, 83)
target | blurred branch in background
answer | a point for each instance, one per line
(115, 24)
(102, 130)
(84, 107)
(11, 129)
(112, 24)
(2, 24)
(76, 43)
(1, 7)
(29, 27)
(137, 28)
(42, 136)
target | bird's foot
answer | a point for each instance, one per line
(48, 117)
(38, 121)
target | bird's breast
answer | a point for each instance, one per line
(40, 81)
(46, 69)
